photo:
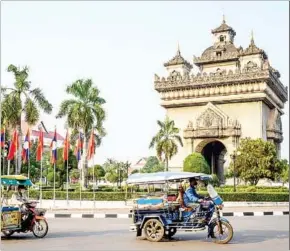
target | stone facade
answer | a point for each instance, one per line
(235, 94)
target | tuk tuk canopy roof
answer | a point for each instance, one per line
(15, 180)
(163, 177)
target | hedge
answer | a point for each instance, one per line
(120, 196)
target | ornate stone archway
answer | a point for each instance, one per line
(214, 152)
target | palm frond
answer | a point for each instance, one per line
(31, 112)
(40, 99)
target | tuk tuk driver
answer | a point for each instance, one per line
(190, 196)
(19, 197)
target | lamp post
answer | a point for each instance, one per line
(234, 157)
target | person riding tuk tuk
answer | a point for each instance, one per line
(19, 214)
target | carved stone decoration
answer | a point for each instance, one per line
(213, 123)
(251, 67)
(274, 126)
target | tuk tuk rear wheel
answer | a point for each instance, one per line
(154, 230)
(8, 233)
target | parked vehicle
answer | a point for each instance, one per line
(161, 217)
(24, 218)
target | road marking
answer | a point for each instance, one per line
(258, 213)
(76, 215)
(127, 216)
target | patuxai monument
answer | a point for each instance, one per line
(235, 94)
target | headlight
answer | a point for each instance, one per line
(220, 206)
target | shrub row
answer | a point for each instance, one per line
(120, 196)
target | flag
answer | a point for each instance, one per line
(79, 147)
(26, 147)
(91, 146)
(13, 146)
(53, 147)
(2, 140)
(39, 150)
(66, 147)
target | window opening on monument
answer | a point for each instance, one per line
(219, 54)
(222, 38)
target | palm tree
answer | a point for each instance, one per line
(166, 141)
(22, 100)
(84, 112)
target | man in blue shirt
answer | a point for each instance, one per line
(190, 196)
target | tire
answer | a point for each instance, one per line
(170, 233)
(153, 230)
(40, 228)
(8, 233)
(216, 235)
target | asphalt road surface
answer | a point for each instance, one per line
(251, 233)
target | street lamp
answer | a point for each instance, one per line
(234, 157)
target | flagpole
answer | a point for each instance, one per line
(4, 153)
(54, 168)
(28, 164)
(40, 193)
(67, 179)
(81, 178)
(94, 181)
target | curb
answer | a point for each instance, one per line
(127, 216)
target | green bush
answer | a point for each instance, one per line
(196, 163)
(120, 196)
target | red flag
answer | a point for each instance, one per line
(66, 147)
(13, 146)
(26, 147)
(39, 146)
(91, 146)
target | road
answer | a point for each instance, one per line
(251, 233)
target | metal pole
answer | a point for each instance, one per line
(94, 181)
(234, 158)
(0, 160)
(81, 181)
(40, 193)
(28, 166)
(4, 153)
(67, 179)
(54, 185)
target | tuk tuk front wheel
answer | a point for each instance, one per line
(40, 228)
(153, 230)
(222, 234)
(8, 233)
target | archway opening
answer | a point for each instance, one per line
(214, 153)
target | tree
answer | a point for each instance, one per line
(98, 171)
(196, 163)
(257, 160)
(166, 141)
(84, 111)
(61, 165)
(22, 99)
(116, 171)
(284, 165)
(152, 165)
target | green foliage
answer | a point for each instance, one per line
(196, 163)
(97, 171)
(284, 166)
(20, 100)
(120, 196)
(84, 110)
(153, 165)
(116, 172)
(257, 160)
(165, 141)
(135, 171)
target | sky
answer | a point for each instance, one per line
(120, 45)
